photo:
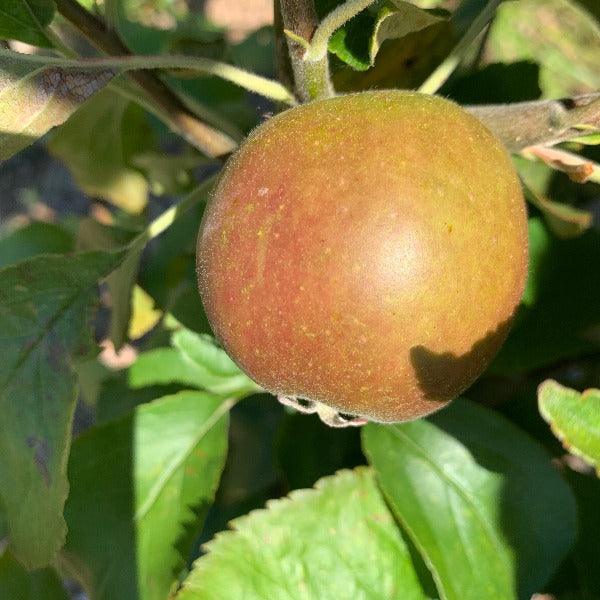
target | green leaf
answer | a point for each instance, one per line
(26, 20)
(169, 174)
(357, 43)
(45, 308)
(140, 488)
(194, 360)
(335, 541)
(98, 144)
(34, 97)
(93, 235)
(398, 20)
(566, 47)
(561, 314)
(574, 419)
(16, 583)
(33, 239)
(476, 495)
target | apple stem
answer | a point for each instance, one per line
(299, 23)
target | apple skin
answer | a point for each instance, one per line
(366, 252)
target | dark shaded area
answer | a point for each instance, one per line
(33, 173)
(497, 83)
(443, 376)
(561, 320)
(250, 476)
(307, 450)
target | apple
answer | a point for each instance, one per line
(364, 255)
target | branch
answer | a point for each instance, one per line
(282, 57)
(546, 122)
(311, 80)
(179, 117)
(245, 79)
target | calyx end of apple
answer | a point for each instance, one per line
(329, 416)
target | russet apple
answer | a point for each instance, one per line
(365, 253)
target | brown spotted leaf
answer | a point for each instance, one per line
(37, 94)
(45, 307)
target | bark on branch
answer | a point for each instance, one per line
(544, 122)
(211, 141)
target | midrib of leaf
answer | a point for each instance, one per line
(207, 368)
(47, 327)
(44, 331)
(33, 17)
(488, 527)
(170, 470)
(14, 19)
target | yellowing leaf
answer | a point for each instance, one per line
(34, 97)
(144, 315)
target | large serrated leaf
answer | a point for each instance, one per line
(26, 20)
(477, 496)
(139, 487)
(194, 360)
(16, 583)
(336, 541)
(45, 307)
(34, 97)
(574, 418)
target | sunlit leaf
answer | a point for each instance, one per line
(35, 97)
(476, 495)
(336, 541)
(45, 308)
(194, 360)
(140, 489)
(574, 418)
